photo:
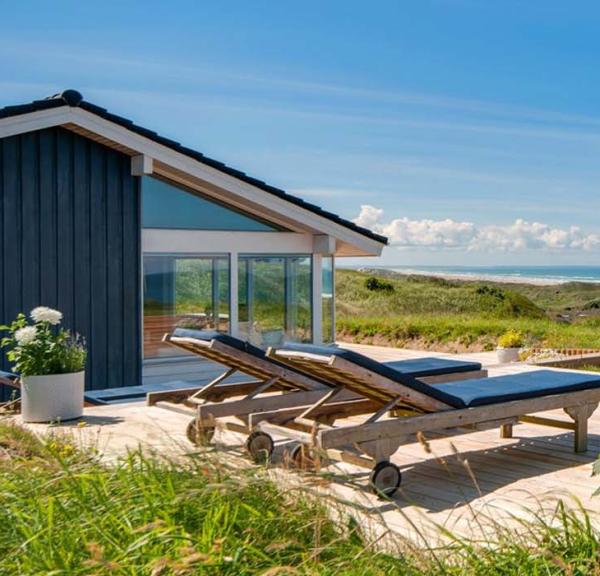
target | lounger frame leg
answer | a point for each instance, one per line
(581, 415)
(203, 392)
(506, 431)
(381, 450)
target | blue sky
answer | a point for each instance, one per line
(469, 130)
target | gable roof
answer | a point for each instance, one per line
(74, 99)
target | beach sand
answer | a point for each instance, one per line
(474, 277)
(488, 278)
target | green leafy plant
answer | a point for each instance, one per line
(376, 285)
(511, 339)
(41, 347)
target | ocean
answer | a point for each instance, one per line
(532, 274)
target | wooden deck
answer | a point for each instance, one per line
(468, 482)
(473, 482)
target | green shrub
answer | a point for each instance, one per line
(376, 285)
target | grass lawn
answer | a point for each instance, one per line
(64, 512)
(423, 312)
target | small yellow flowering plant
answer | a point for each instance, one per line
(40, 346)
(511, 339)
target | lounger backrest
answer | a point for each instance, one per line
(364, 375)
(235, 353)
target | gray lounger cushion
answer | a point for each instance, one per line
(534, 384)
(416, 367)
(208, 335)
(467, 393)
(432, 366)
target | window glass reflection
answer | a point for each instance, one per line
(183, 291)
(275, 299)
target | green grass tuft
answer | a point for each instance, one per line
(63, 512)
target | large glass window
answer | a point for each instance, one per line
(167, 206)
(328, 299)
(184, 291)
(274, 299)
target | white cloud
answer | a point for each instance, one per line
(369, 217)
(450, 234)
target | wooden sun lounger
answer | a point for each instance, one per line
(274, 386)
(14, 381)
(9, 379)
(277, 388)
(420, 408)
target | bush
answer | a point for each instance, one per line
(491, 291)
(376, 285)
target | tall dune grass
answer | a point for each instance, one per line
(428, 312)
(65, 512)
(462, 331)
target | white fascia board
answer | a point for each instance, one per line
(142, 145)
(35, 121)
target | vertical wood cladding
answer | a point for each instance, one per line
(70, 239)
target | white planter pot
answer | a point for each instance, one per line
(506, 355)
(53, 397)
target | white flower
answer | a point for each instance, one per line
(26, 335)
(45, 314)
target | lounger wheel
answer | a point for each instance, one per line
(302, 457)
(385, 478)
(260, 446)
(199, 435)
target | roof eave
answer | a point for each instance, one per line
(85, 116)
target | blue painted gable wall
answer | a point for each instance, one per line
(70, 239)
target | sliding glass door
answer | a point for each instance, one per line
(274, 299)
(193, 291)
(183, 291)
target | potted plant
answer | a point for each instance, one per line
(509, 345)
(50, 362)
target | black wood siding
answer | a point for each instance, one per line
(70, 239)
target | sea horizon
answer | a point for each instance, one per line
(513, 274)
